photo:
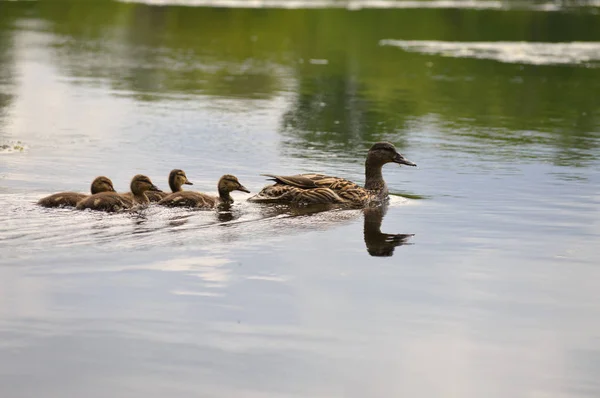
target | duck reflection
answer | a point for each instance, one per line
(380, 244)
(226, 213)
(290, 219)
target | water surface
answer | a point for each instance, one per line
(478, 279)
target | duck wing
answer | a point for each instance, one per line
(303, 181)
(309, 181)
(310, 189)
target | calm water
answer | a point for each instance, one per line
(495, 295)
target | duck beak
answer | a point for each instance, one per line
(243, 189)
(112, 189)
(402, 160)
(188, 182)
(155, 188)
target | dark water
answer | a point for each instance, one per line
(495, 295)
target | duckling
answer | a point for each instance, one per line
(112, 201)
(319, 188)
(70, 199)
(177, 178)
(226, 184)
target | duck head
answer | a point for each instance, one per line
(141, 183)
(177, 178)
(229, 183)
(385, 152)
(102, 184)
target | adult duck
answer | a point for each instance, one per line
(319, 188)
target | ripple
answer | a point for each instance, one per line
(26, 225)
(574, 53)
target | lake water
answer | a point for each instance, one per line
(495, 295)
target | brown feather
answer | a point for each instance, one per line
(300, 181)
(319, 188)
(113, 201)
(62, 199)
(105, 201)
(156, 196)
(226, 184)
(311, 189)
(153, 196)
(189, 199)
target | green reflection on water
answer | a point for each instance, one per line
(343, 90)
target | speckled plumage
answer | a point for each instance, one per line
(322, 189)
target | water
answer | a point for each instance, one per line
(478, 279)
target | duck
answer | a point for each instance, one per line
(323, 189)
(177, 178)
(113, 202)
(70, 199)
(226, 185)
